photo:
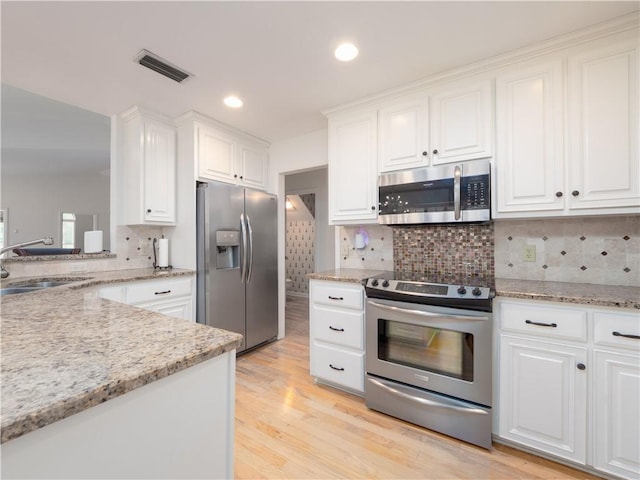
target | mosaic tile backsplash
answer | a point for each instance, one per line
(445, 250)
(600, 250)
(378, 253)
(299, 258)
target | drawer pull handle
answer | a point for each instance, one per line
(625, 335)
(335, 298)
(581, 366)
(340, 369)
(552, 325)
(162, 293)
(336, 329)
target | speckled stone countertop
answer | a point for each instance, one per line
(44, 258)
(64, 349)
(583, 293)
(349, 275)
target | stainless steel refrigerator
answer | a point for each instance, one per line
(237, 273)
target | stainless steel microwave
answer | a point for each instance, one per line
(444, 194)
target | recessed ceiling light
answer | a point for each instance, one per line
(232, 101)
(346, 52)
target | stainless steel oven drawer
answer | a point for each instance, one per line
(457, 418)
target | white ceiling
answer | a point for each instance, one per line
(277, 56)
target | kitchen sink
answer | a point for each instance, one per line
(42, 284)
(31, 286)
(16, 290)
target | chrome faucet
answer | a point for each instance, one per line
(3, 272)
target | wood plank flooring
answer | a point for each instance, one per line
(289, 427)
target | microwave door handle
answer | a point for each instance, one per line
(457, 173)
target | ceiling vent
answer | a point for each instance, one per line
(157, 64)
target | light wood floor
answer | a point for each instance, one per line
(289, 427)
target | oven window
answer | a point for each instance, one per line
(436, 350)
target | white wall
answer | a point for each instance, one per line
(315, 181)
(294, 155)
(35, 202)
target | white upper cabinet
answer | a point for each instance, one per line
(603, 126)
(252, 159)
(216, 155)
(149, 167)
(232, 158)
(529, 161)
(462, 122)
(451, 124)
(353, 193)
(403, 140)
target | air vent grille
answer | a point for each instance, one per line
(161, 66)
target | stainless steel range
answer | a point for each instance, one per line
(428, 353)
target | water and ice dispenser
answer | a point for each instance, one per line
(227, 249)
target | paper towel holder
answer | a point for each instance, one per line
(155, 257)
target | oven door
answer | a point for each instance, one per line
(444, 350)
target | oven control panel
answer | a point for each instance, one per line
(424, 289)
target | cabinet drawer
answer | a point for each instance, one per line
(341, 327)
(544, 321)
(158, 290)
(346, 296)
(610, 328)
(339, 366)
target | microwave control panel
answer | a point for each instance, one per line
(475, 192)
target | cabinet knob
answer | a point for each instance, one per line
(241, 177)
(435, 151)
(425, 153)
(575, 193)
(373, 208)
(581, 366)
(148, 210)
(558, 194)
(235, 175)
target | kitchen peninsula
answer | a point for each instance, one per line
(95, 388)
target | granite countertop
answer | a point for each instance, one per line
(349, 275)
(583, 293)
(64, 349)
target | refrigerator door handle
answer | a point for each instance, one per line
(243, 249)
(250, 249)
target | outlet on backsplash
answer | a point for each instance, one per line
(529, 253)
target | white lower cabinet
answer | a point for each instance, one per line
(569, 382)
(171, 296)
(617, 409)
(336, 340)
(544, 396)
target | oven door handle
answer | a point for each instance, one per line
(413, 311)
(427, 402)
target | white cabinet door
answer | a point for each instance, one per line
(543, 395)
(352, 169)
(253, 166)
(215, 155)
(149, 169)
(159, 172)
(617, 413)
(230, 158)
(403, 140)
(529, 159)
(178, 308)
(603, 127)
(462, 123)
